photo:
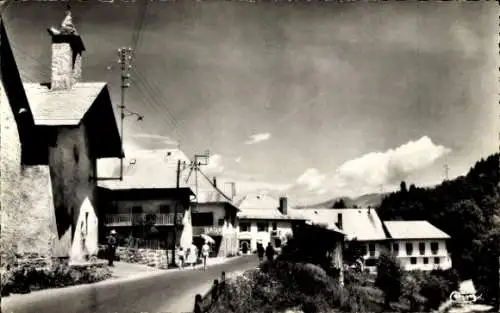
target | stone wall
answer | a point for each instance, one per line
(154, 258)
(27, 215)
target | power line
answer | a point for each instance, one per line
(155, 95)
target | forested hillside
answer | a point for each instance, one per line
(468, 209)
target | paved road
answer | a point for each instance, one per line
(170, 291)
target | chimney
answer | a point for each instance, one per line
(283, 206)
(67, 48)
(369, 209)
(340, 223)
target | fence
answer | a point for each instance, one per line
(203, 303)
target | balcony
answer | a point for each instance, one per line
(207, 230)
(127, 219)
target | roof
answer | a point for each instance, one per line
(13, 86)
(145, 193)
(362, 224)
(139, 165)
(62, 107)
(261, 206)
(414, 230)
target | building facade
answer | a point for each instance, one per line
(263, 220)
(146, 218)
(418, 245)
(63, 127)
(217, 220)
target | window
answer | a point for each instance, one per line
(434, 247)
(76, 154)
(371, 262)
(371, 249)
(413, 260)
(164, 208)
(262, 227)
(395, 248)
(421, 248)
(244, 226)
(137, 209)
(275, 226)
(202, 219)
(409, 249)
(426, 260)
(221, 222)
(436, 260)
(364, 249)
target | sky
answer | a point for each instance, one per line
(311, 100)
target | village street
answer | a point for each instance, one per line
(170, 291)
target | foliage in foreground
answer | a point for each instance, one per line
(27, 277)
(281, 285)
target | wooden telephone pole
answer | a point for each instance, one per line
(125, 55)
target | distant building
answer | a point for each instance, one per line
(264, 219)
(52, 135)
(418, 245)
(210, 212)
(363, 225)
(146, 218)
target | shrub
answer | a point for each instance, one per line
(28, 277)
(389, 276)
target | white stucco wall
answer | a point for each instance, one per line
(405, 260)
(254, 236)
(27, 208)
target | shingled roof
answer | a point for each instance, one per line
(414, 230)
(62, 107)
(362, 224)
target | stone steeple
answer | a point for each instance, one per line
(67, 48)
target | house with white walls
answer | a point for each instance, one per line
(52, 134)
(264, 219)
(418, 245)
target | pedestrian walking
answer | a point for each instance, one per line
(111, 245)
(192, 255)
(260, 252)
(205, 250)
(181, 255)
(270, 252)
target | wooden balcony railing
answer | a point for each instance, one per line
(207, 230)
(127, 219)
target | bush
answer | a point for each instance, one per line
(28, 277)
(389, 275)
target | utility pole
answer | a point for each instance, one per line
(125, 55)
(446, 168)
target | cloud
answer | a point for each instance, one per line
(215, 165)
(311, 179)
(368, 173)
(392, 166)
(258, 138)
(156, 138)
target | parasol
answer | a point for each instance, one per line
(208, 239)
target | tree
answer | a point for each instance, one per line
(353, 251)
(389, 277)
(403, 188)
(339, 204)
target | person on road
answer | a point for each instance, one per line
(192, 255)
(260, 252)
(111, 243)
(181, 256)
(205, 250)
(270, 252)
